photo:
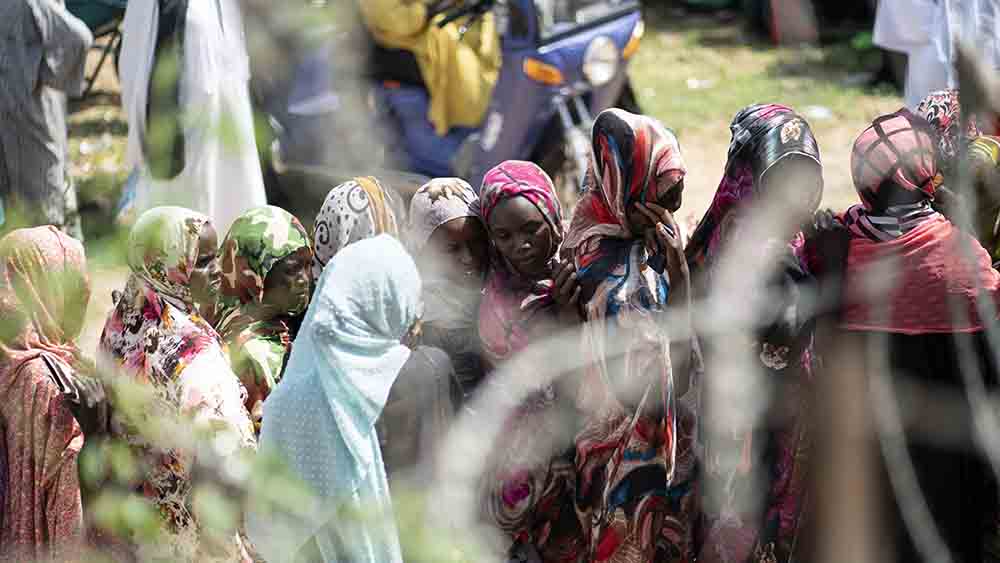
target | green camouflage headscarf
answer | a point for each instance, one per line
(258, 239)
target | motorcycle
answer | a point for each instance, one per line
(564, 61)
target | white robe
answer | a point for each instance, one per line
(222, 174)
(928, 30)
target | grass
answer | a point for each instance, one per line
(693, 72)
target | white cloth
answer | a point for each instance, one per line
(907, 26)
(222, 176)
(972, 21)
(928, 31)
(321, 419)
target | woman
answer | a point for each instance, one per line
(927, 321)
(321, 419)
(450, 246)
(266, 284)
(185, 74)
(155, 339)
(527, 285)
(627, 252)
(529, 292)
(43, 300)
(355, 210)
(754, 476)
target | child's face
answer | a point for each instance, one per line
(287, 288)
(457, 251)
(523, 236)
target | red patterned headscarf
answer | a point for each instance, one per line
(631, 152)
(944, 112)
(510, 301)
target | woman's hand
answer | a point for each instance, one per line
(665, 236)
(566, 290)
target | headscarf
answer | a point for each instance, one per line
(630, 153)
(510, 301)
(44, 291)
(258, 239)
(162, 253)
(944, 112)
(321, 419)
(895, 169)
(929, 274)
(434, 204)
(355, 210)
(763, 135)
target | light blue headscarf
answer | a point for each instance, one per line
(321, 418)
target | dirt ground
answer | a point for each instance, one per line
(693, 72)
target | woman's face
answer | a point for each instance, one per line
(287, 286)
(457, 251)
(207, 275)
(796, 183)
(522, 236)
(670, 199)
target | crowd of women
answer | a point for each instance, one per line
(350, 353)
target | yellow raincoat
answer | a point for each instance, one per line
(459, 73)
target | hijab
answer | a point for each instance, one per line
(156, 303)
(631, 152)
(44, 291)
(916, 253)
(943, 111)
(510, 301)
(321, 419)
(434, 204)
(355, 210)
(762, 136)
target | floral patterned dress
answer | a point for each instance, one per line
(155, 340)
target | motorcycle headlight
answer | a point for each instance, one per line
(600, 61)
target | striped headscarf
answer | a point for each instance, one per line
(894, 165)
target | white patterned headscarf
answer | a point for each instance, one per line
(436, 203)
(355, 210)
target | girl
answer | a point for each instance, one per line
(266, 285)
(450, 245)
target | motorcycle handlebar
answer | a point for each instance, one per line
(473, 8)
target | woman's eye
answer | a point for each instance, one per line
(204, 261)
(502, 235)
